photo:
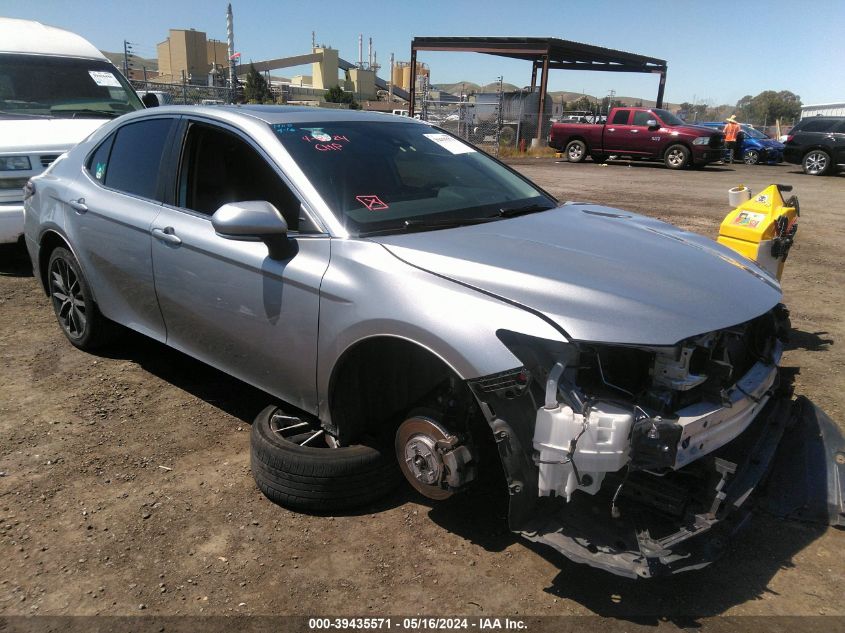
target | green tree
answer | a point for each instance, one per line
(768, 106)
(581, 103)
(607, 104)
(256, 89)
(336, 94)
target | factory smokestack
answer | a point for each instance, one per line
(370, 54)
(230, 38)
(360, 50)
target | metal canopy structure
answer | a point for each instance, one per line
(544, 53)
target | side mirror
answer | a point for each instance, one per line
(651, 123)
(254, 221)
(149, 101)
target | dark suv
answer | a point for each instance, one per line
(817, 144)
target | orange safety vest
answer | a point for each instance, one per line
(731, 130)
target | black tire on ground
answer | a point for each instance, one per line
(676, 157)
(816, 162)
(576, 151)
(319, 479)
(77, 314)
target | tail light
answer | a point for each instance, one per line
(28, 190)
(789, 137)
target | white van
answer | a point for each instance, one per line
(55, 89)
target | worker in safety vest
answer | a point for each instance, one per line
(732, 138)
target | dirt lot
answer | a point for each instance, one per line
(127, 490)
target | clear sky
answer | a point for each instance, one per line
(717, 50)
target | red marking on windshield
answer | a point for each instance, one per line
(373, 203)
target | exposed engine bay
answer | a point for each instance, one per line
(637, 460)
(625, 457)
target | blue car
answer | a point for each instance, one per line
(756, 146)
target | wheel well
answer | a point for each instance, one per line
(681, 143)
(380, 379)
(815, 148)
(49, 242)
(577, 138)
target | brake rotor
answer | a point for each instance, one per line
(420, 461)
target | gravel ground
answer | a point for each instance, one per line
(126, 486)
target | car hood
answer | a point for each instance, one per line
(45, 135)
(692, 130)
(769, 142)
(601, 274)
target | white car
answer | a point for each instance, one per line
(55, 89)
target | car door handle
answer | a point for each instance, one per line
(167, 235)
(635, 131)
(78, 205)
(611, 129)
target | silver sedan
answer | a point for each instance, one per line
(412, 302)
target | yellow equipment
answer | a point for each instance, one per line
(763, 228)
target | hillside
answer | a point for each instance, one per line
(137, 62)
(558, 95)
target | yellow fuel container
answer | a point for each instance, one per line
(763, 228)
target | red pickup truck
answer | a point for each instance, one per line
(649, 133)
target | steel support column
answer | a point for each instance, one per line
(660, 89)
(533, 76)
(544, 82)
(412, 89)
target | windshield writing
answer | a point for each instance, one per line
(379, 176)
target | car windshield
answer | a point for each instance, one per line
(668, 118)
(45, 85)
(383, 176)
(752, 133)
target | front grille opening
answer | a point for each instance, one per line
(47, 159)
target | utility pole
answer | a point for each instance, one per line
(127, 52)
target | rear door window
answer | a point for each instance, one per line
(134, 163)
(620, 117)
(818, 125)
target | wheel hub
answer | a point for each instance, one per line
(421, 444)
(422, 460)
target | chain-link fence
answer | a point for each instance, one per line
(498, 122)
(183, 93)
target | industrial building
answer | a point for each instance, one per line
(823, 109)
(188, 54)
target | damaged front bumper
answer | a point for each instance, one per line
(763, 449)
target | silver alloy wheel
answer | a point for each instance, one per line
(301, 432)
(676, 157)
(68, 300)
(751, 157)
(575, 152)
(815, 163)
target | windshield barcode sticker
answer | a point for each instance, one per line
(104, 78)
(449, 143)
